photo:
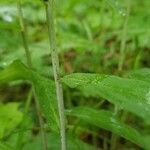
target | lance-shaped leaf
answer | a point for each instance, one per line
(107, 120)
(44, 89)
(129, 94)
(141, 74)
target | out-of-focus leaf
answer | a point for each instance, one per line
(10, 117)
(129, 94)
(115, 4)
(4, 146)
(14, 2)
(105, 119)
(73, 143)
(44, 89)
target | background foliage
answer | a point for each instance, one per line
(89, 36)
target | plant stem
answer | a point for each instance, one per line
(138, 56)
(41, 122)
(88, 31)
(26, 109)
(114, 137)
(56, 69)
(137, 60)
(23, 34)
(124, 38)
(29, 62)
(102, 8)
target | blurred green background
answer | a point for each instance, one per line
(89, 38)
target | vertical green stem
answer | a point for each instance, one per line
(114, 137)
(137, 60)
(29, 62)
(102, 8)
(88, 31)
(21, 134)
(139, 54)
(43, 134)
(124, 38)
(56, 69)
(23, 34)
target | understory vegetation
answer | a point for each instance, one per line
(74, 75)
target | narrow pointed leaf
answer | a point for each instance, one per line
(141, 74)
(129, 94)
(106, 120)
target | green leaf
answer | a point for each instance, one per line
(106, 120)
(117, 6)
(10, 117)
(4, 146)
(14, 2)
(73, 143)
(129, 94)
(15, 71)
(44, 89)
(45, 92)
(141, 74)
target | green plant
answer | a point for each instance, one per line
(124, 38)
(88, 40)
(30, 65)
(56, 69)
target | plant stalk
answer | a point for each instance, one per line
(29, 62)
(56, 69)
(124, 38)
(26, 109)
(23, 34)
(115, 138)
